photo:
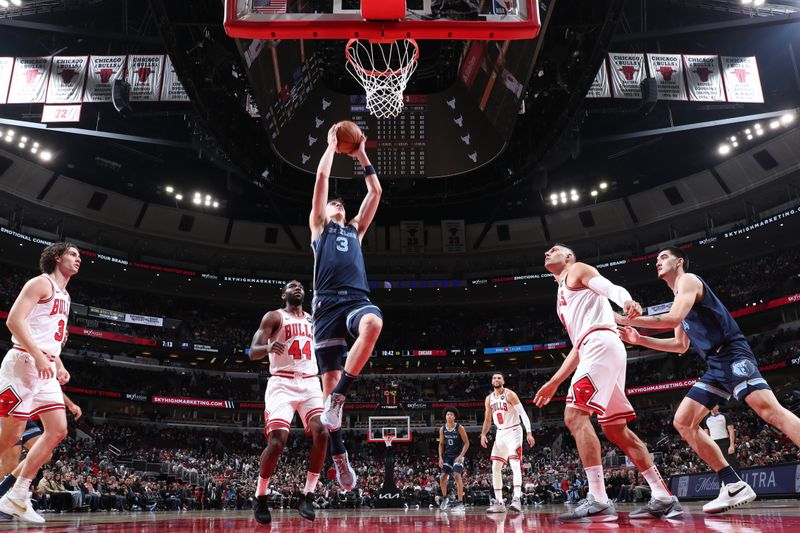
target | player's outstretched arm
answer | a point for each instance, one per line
(317, 218)
(546, 392)
(487, 422)
(677, 344)
(373, 198)
(688, 291)
(589, 277)
(260, 346)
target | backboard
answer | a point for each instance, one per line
(380, 426)
(343, 19)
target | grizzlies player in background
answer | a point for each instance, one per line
(453, 446)
(699, 317)
(341, 308)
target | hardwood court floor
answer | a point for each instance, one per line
(779, 516)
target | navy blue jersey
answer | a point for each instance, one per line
(452, 440)
(338, 262)
(709, 325)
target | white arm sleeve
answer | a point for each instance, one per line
(526, 422)
(615, 293)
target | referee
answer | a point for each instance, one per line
(720, 428)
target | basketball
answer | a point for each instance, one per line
(349, 136)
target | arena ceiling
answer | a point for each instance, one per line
(561, 142)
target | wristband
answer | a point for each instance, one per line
(369, 170)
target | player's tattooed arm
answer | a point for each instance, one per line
(261, 346)
(688, 291)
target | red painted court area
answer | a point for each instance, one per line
(775, 516)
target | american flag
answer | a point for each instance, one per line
(269, 6)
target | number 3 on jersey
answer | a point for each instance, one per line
(59, 336)
(297, 353)
(341, 244)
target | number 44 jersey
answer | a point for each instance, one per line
(296, 335)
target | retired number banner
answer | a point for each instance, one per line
(29, 80)
(103, 71)
(667, 69)
(627, 73)
(67, 79)
(704, 78)
(742, 82)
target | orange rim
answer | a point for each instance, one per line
(380, 73)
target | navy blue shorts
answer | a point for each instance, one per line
(32, 430)
(336, 320)
(451, 466)
(731, 372)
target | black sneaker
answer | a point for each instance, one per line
(306, 506)
(261, 510)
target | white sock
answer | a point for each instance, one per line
(516, 470)
(261, 488)
(311, 482)
(497, 480)
(597, 483)
(657, 486)
(21, 487)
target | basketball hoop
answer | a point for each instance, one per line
(383, 69)
(387, 439)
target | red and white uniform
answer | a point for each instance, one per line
(294, 385)
(598, 384)
(508, 439)
(22, 393)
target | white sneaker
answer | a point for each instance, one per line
(331, 418)
(496, 507)
(515, 505)
(730, 496)
(20, 509)
(345, 474)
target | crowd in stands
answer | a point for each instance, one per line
(738, 285)
(94, 469)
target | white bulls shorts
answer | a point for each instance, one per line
(598, 385)
(285, 396)
(508, 444)
(22, 393)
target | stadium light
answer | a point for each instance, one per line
(774, 124)
(749, 137)
(747, 131)
(603, 185)
(197, 200)
(169, 189)
(16, 2)
(179, 196)
(593, 193)
(215, 204)
(788, 118)
(759, 132)
(555, 201)
(724, 149)
(554, 197)
(735, 144)
(3, 3)
(46, 156)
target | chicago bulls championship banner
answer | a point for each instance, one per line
(742, 82)
(667, 69)
(144, 75)
(6, 66)
(627, 72)
(704, 78)
(29, 80)
(103, 71)
(600, 86)
(172, 90)
(67, 78)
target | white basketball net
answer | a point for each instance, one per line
(383, 69)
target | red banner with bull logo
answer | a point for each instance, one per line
(144, 75)
(704, 78)
(627, 72)
(67, 78)
(667, 69)
(742, 82)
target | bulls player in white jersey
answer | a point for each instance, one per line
(32, 373)
(599, 360)
(504, 408)
(286, 336)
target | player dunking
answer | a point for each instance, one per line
(699, 317)
(341, 307)
(599, 361)
(504, 408)
(453, 446)
(32, 372)
(285, 334)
